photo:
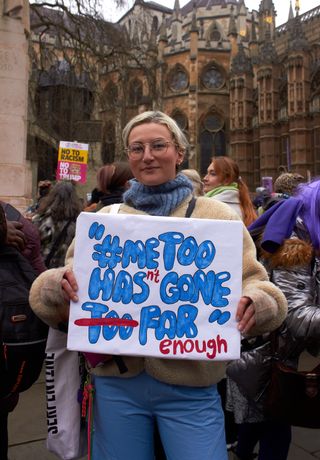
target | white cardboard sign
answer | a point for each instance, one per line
(157, 286)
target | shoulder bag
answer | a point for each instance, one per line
(293, 396)
(67, 436)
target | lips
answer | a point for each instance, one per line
(149, 169)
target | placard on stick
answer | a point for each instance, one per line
(157, 286)
(72, 161)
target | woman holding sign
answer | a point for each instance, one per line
(181, 395)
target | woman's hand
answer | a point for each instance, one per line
(69, 286)
(245, 314)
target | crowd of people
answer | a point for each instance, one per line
(178, 408)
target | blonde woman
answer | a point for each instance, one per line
(181, 396)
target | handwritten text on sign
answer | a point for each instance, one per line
(156, 286)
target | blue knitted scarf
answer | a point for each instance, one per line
(158, 200)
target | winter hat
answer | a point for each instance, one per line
(287, 182)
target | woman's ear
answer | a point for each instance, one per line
(180, 157)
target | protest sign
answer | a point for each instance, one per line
(72, 161)
(156, 286)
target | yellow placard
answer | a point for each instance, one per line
(73, 155)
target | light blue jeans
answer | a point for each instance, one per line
(190, 420)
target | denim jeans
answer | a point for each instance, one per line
(190, 420)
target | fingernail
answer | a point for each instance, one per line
(75, 298)
(240, 327)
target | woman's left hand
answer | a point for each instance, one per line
(245, 314)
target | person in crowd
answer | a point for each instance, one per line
(181, 395)
(113, 180)
(56, 221)
(288, 244)
(92, 203)
(7, 405)
(24, 236)
(44, 187)
(287, 183)
(18, 232)
(261, 195)
(224, 183)
(284, 187)
(195, 178)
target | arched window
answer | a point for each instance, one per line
(155, 23)
(108, 143)
(206, 147)
(178, 79)
(212, 139)
(219, 143)
(110, 94)
(182, 121)
(135, 92)
(215, 35)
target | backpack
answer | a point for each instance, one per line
(22, 334)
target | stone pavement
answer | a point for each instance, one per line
(27, 431)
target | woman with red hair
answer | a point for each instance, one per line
(224, 183)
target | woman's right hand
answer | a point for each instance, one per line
(69, 286)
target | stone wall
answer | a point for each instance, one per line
(15, 173)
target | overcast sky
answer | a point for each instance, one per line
(282, 7)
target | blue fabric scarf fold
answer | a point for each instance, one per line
(158, 200)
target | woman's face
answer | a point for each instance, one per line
(153, 156)
(211, 180)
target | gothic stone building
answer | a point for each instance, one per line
(235, 83)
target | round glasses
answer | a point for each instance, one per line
(157, 148)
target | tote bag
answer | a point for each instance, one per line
(66, 430)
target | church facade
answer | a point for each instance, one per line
(235, 83)
(238, 85)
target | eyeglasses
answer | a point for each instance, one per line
(157, 148)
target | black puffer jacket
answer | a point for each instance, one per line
(295, 269)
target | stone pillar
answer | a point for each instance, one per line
(15, 173)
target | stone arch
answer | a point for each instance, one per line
(214, 33)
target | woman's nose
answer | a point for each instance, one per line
(147, 154)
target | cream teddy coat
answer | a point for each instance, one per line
(48, 303)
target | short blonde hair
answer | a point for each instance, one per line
(161, 118)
